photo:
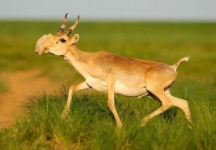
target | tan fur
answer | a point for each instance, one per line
(115, 74)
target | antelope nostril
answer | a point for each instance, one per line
(36, 52)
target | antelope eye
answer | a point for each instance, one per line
(62, 40)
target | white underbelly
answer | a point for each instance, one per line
(120, 88)
(96, 84)
(134, 90)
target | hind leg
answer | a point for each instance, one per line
(157, 80)
(182, 104)
(166, 104)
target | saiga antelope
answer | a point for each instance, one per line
(107, 72)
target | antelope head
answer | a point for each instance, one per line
(57, 44)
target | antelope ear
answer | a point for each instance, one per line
(75, 39)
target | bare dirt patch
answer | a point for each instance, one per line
(22, 84)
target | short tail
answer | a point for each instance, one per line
(175, 66)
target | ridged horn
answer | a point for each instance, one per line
(69, 31)
(63, 24)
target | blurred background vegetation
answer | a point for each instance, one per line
(162, 41)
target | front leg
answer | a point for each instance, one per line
(72, 89)
(111, 103)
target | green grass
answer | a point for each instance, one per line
(90, 124)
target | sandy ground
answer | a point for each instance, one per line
(22, 85)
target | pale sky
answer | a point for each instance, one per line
(183, 10)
